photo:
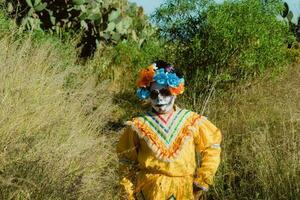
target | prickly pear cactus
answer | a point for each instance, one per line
(105, 21)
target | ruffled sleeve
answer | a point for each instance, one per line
(127, 149)
(207, 140)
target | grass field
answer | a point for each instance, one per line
(59, 124)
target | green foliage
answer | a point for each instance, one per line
(251, 35)
(103, 22)
(130, 53)
(224, 42)
(180, 20)
(5, 25)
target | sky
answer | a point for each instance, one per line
(150, 5)
(294, 7)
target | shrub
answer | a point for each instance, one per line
(105, 22)
(224, 42)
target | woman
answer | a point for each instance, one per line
(161, 145)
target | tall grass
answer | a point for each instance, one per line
(260, 122)
(57, 140)
(53, 141)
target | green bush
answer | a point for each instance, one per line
(101, 23)
(5, 25)
(231, 41)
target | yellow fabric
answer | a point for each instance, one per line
(127, 152)
(158, 179)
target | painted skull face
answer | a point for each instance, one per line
(162, 101)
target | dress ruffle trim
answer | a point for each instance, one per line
(156, 145)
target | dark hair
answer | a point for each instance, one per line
(165, 65)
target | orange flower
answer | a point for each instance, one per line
(146, 76)
(178, 90)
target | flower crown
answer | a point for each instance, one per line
(162, 76)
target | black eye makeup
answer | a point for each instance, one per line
(164, 92)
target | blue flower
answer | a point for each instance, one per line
(143, 93)
(161, 77)
(160, 71)
(173, 80)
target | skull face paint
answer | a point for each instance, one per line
(161, 103)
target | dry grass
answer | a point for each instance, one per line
(57, 143)
(261, 153)
(52, 140)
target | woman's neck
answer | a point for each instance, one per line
(164, 113)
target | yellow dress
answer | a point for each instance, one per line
(162, 155)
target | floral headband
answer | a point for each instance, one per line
(162, 76)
